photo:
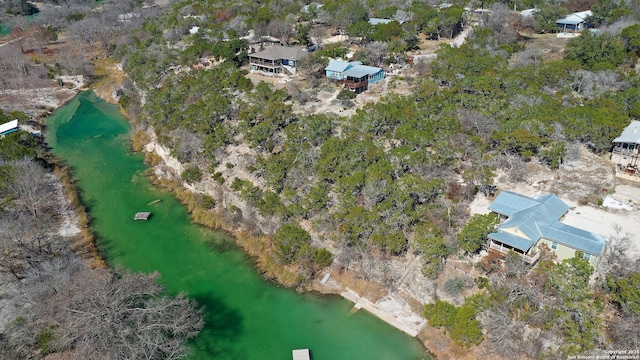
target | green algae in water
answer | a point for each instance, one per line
(246, 317)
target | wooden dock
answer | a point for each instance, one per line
(301, 354)
(143, 215)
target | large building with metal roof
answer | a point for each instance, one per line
(531, 222)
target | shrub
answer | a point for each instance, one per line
(191, 175)
(217, 176)
(474, 234)
(454, 286)
(346, 95)
(322, 257)
(288, 240)
(208, 202)
(461, 322)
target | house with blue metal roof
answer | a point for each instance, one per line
(530, 222)
(353, 74)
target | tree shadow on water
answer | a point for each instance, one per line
(223, 328)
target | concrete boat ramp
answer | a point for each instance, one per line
(391, 309)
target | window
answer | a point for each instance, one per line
(554, 245)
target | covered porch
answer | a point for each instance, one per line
(530, 257)
(357, 84)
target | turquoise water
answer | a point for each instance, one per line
(4, 30)
(246, 317)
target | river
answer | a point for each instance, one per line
(246, 318)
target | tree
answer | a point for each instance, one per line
(631, 38)
(553, 154)
(30, 185)
(461, 322)
(593, 50)
(289, 240)
(191, 175)
(626, 293)
(474, 235)
(117, 314)
(546, 17)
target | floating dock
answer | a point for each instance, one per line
(301, 354)
(154, 202)
(143, 215)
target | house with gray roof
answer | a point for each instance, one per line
(574, 22)
(626, 147)
(276, 60)
(354, 75)
(530, 222)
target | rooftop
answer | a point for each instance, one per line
(9, 126)
(530, 219)
(575, 18)
(340, 66)
(361, 70)
(631, 134)
(280, 52)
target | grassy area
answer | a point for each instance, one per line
(108, 78)
(84, 244)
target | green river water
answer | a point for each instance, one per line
(247, 318)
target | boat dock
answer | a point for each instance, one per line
(143, 215)
(301, 354)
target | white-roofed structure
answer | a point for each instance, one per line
(8, 127)
(575, 22)
(528, 13)
(301, 354)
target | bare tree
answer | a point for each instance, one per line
(504, 334)
(375, 53)
(477, 124)
(119, 315)
(30, 186)
(614, 260)
(188, 146)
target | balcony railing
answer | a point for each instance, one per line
(265, 63)
(350, 84)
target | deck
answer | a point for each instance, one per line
(143, 215)
(529, 259)
(301, 354)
